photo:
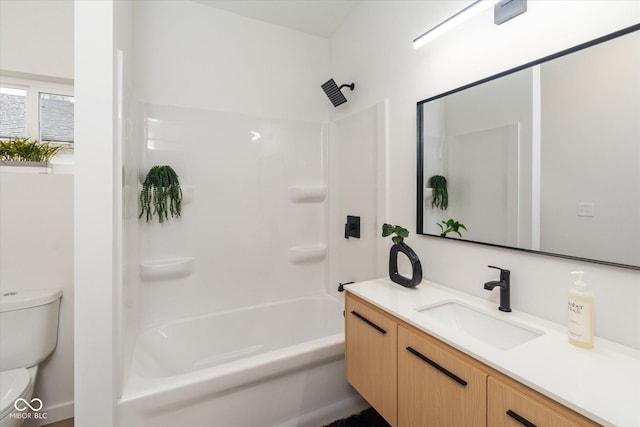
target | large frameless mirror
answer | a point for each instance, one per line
(542, 158)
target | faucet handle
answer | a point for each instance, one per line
(504, 274)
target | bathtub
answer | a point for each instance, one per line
(278, 364)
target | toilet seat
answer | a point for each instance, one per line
(14, 384)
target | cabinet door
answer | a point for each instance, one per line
(513, 406)
(370, 355)
(436, 387)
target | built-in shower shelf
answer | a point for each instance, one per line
(187, 193)
(165, 144)
(166, 268)
(307, 193)
(307, 254)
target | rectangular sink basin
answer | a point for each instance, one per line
(475, 324)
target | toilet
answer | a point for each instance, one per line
(28, 334)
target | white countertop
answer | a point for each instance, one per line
(602, 383)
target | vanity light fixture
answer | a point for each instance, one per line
(453, 21)
(507, 9)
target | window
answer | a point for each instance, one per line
(56, 117)
(37, 109)
(13, 118)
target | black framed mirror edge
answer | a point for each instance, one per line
(534, 252)
(420, 172)
(420, 149)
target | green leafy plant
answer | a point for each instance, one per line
(19, 149)
(400, 232)
(161, 194)
(451, 225)
(440, 196)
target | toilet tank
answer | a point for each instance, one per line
(28, 327)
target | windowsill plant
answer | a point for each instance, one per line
(25, 152)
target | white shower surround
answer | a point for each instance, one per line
(246, 239)
(234, 106)
(244, 244)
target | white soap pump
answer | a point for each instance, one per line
(580, 313)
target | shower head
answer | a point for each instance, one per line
(334, 93)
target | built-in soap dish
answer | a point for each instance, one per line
(307, 254)
(307, 193)
(166, 268)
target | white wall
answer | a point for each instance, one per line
(36, 40)
(356, 151)
(36, 37)
(127, 136)
(99, 29)
(192, 55)
(374, 49)
(36, 252)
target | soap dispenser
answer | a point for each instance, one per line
(580, 313)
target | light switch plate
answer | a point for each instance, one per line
(586, 209)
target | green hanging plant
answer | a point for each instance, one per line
(440, 196)
(401, 232)
(451, 225)
(161, 194)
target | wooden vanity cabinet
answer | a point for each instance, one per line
(437, 387)
(415, 380)
(512, 404)
(371, 356)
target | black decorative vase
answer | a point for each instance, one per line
(416, 267)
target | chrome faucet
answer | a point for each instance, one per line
(505, 293)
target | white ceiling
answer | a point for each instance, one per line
(318, 17)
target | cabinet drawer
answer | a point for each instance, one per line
(370, 355)
(436, 388)
(514, 407)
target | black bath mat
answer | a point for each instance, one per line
(366, 418)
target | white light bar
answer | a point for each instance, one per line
(455, 20)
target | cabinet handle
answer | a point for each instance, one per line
(438, 367)
(522, 420)
(369, 322)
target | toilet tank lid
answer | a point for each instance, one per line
(18, 300)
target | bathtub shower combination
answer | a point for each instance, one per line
(273, 364)
(236, 326)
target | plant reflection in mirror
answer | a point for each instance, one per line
(451, 225)
(440, 199)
